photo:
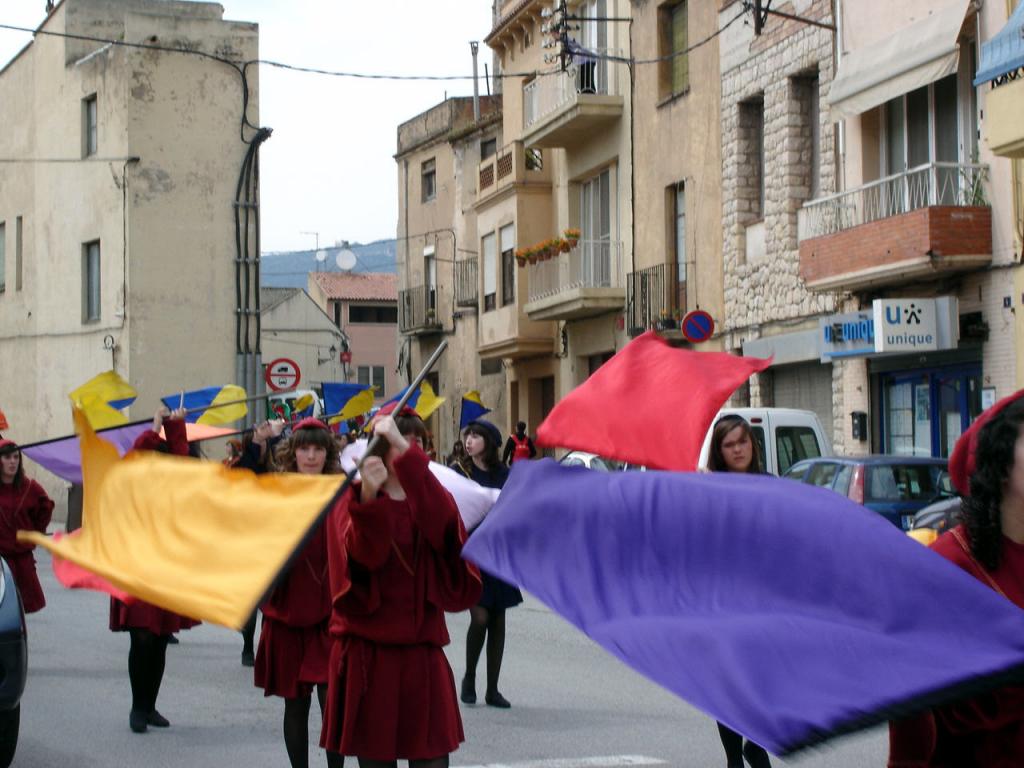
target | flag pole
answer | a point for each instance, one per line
(322, 517)
(254, 398)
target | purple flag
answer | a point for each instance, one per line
(785, 611)
(64, 457)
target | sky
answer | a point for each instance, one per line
(329, 166)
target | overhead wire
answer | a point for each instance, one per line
(242, 65)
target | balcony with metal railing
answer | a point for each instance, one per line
(925, 222)
(419, 310)
(514, 165)
(560, 109)
(584, 282)
(466, 286)
(655, 299)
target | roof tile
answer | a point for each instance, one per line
(365, 286)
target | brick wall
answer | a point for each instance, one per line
(945, 231)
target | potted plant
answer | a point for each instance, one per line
(665, 322)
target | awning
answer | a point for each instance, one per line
(912, 57)
(1004, 53)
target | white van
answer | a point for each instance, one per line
(783, 436)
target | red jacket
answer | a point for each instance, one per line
(986, 731)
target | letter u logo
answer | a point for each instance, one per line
(889, 315)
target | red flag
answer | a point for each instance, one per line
(650, 404)
(3, 421)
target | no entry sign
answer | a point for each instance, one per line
(282, 374)
(697, 326)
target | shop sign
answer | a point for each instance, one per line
(905, 325)
(847, 335)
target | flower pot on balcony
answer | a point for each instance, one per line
(666, 324)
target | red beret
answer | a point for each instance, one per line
(310, 423)
(5, 443)
(962, 461)
(388, 409)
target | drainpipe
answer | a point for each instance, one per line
(474, 46)
(837, 14)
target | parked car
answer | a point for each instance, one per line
(935, 519)
(783, 436)
(897, 487)
(589, 461)
(13, 664)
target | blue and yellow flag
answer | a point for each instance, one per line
(102, 397)
(424, 400)
(205, 404)
(149, 518)
(472, 408)
(343, 401)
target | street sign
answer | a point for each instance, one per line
(697, 326)
(282, 374)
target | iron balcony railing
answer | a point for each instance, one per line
(548, 93)
(953, 184)
(653, 294)
(418, 308)
(466, 290)
(591, 264)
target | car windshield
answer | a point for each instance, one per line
(901, 482)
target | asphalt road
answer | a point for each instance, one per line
(574, 706)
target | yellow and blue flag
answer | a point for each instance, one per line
(101, 399)
(148, 518)
(344, 401)
(205, 404)
(472, 408)
(424, 400)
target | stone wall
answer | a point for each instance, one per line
(776, 68)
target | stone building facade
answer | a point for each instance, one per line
(777, 153)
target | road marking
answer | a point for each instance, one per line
(611, 761)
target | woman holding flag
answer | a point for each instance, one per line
(149, 627)
(294, 645)
(395, 546)
(24, 505)
(987, 468)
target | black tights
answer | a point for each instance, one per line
(735, 750)
(146, 658)
(437, 762)
(490, 625)
(249, 633)
(296, 730)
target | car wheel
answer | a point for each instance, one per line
(10, 722)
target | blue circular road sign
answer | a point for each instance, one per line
(698, 326)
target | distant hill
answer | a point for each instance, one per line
(290, 269)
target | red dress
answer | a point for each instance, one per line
(986, 731)
(396, 567)
(24, 507)
(294, 645)
(141, 615)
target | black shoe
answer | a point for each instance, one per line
(172, 640)
(495, 699)
(468, 691)
(157, 720)
(137, 721)
(756, 755)
(248, 659)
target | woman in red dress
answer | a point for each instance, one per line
(24, 505)
(395, 545)
(294, 644)
(987, 467)
(150, 628)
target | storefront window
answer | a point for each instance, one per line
(925, 412)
